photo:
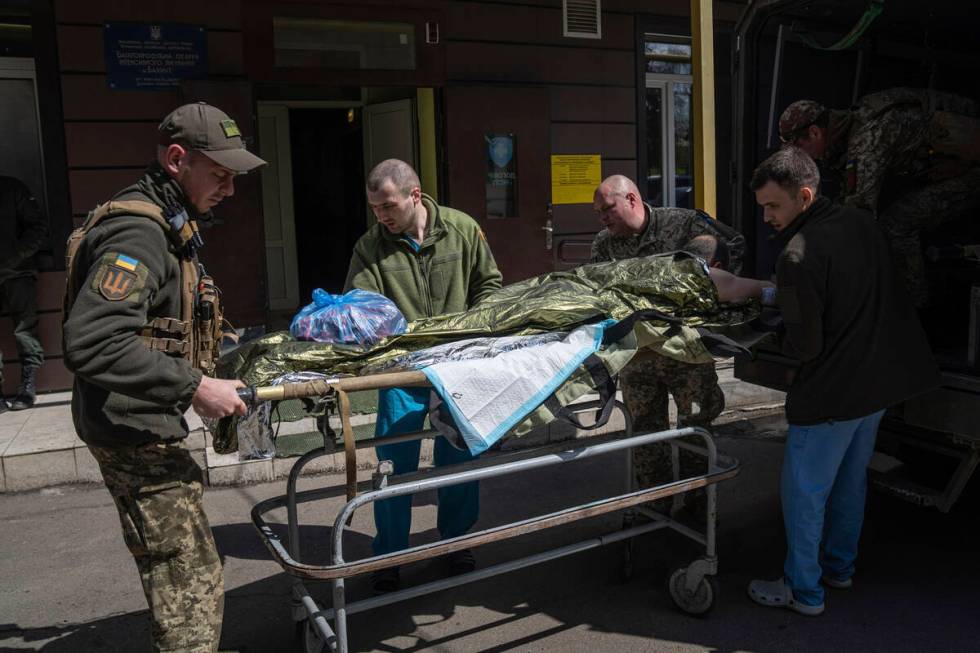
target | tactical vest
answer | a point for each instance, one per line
(196, 334)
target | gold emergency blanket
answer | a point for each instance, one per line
(676, 284)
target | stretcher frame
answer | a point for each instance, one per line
(692, 588)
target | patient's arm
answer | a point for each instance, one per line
(736, 289)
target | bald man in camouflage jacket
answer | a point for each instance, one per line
(632, 228)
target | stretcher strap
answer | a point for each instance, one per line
(719, 345)
(715, 343)
(604, 383)
(618, 331)
(442, 420)
(350, 450)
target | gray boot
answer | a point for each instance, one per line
(27, 392)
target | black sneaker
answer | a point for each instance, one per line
(460, 562)
(385, 580)
(4, 406)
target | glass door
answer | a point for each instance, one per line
(656, 144)
(21, 156)
(669, 146)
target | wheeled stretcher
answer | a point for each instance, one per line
(692, 588)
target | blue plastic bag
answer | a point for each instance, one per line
(358, 317)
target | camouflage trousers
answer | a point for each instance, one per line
(920, 210)
(18, 298)
(646, 382)
(158, 489)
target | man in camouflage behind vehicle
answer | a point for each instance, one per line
(910, 156)
(632, 228)
(139, 335)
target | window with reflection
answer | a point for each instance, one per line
(343, 44)
(669, 142)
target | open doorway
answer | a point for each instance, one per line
(313, 200)
(328, 192)
(313, 190)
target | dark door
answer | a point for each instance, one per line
(520, 243)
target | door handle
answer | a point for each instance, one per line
(548, 229)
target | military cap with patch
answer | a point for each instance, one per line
(210, 131)
(797, 117)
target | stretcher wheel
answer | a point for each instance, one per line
(309, 637)
(700, 601)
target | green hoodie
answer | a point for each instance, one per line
(452, 270)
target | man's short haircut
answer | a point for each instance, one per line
(711, 249)
(620, 185)
(400, 173)
(790, 167)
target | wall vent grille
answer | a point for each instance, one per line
(582, 19)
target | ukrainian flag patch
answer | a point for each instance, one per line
(230, 128)
(126, 262)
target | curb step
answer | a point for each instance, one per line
(39, 448)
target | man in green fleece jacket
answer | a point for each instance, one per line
(429, 260)
(131, 389)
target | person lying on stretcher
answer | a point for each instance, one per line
(733, 289)
(675, 283)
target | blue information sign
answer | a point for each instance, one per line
(501, 175)
(153, 57)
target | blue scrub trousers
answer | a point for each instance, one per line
(823, 488)
(403, 410)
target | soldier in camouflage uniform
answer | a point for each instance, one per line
(646, 382)
(633, 228)
(23, 229)
(915, 142)
(131, 389)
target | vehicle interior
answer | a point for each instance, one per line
(835, 52)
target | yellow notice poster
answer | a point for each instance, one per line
(574, 177)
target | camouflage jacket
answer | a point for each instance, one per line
(888, 136)
(668, 230)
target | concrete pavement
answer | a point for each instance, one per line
(70, 585)
(39, 447)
